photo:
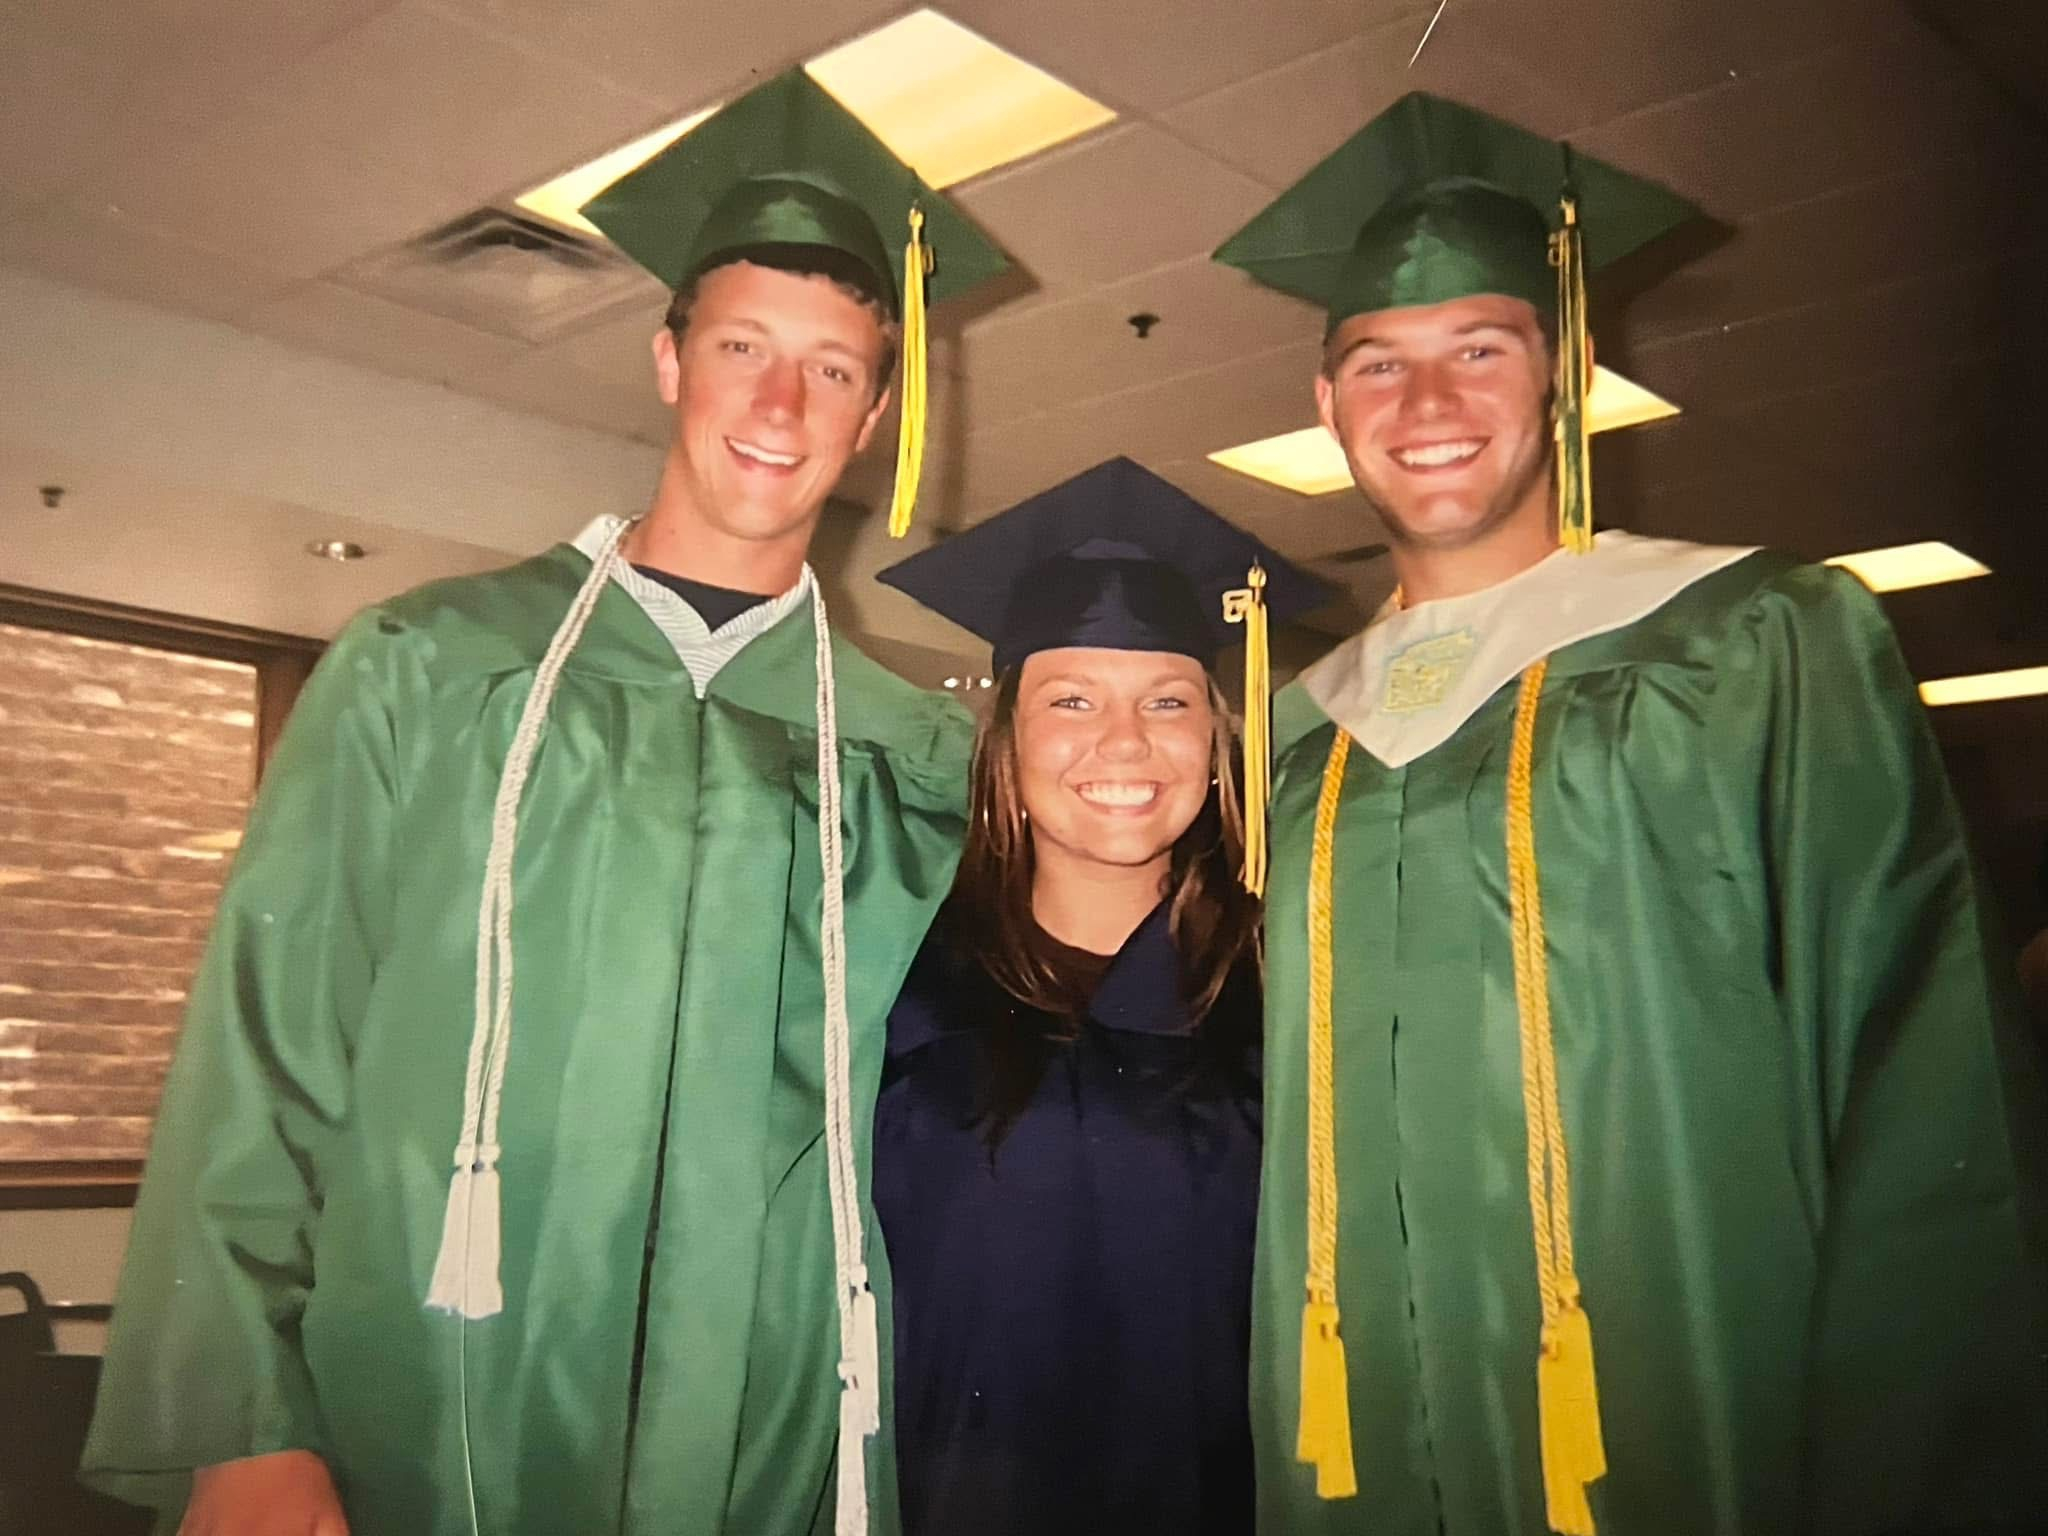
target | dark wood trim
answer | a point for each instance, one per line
(52, 1186)
(144, 626)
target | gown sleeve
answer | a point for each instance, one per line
(1925, 1374)
(204, 1362)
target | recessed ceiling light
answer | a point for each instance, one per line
(1983, 687)
(1310, 463)
(949, 103)
(342, 550)
(952, 682)
(1904, 566)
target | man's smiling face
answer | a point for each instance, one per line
(775, 387)
(1443, 412)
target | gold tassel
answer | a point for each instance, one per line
(917, 265)
(1568, 1405)
(1324, 1435)
(1567, 1394)
(1574, 385)
(1247, 606)
(1324, 1439)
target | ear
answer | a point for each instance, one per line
(668, 368)
(1326, 404)
(867, 427)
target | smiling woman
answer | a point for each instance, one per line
(1066, 1141)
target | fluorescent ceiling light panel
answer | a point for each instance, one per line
(1310, 463)
(1904, 566)
(950, 104)
(1983, 687)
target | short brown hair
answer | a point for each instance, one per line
(988, 917)
(843, 273)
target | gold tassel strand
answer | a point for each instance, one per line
(1568, 1399)
(1324, 1438)
(1247, 606)
(1574, 385)
(917, 266)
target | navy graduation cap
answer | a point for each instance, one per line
(1114, 558)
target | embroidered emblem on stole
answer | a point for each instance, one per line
(1421, 675)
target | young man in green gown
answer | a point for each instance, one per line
(633, 1301)
(1645, 1121)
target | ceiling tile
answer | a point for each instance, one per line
(682, 56)
(273, 189)
(1758, 143)
(90, 85)
(1148, 55)
(456, 105)
(359, 328)
(1082, 348)
(1120, 202)
(1845, 335)
(1331, 94)
(92, 248)
(1601, 60)
(1893, 227)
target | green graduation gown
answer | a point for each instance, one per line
(666, 933)
(1787, 1080)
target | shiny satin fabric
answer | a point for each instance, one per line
(666, 936)
(1804, 1155)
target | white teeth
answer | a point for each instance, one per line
(1436, 455)
(762, 455)
(1118, 794)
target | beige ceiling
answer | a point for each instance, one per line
(1859, 351)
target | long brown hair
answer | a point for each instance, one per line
(1214, 921)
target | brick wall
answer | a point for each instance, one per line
(125, 777)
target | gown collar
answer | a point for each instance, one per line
(1141, 990)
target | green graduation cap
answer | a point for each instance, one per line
(1433, 201)
(787, 167)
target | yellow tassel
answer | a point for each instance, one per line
(917, 265)
(1324, 1439)
(1324, 1436)
(1247, 606)
(1574, 385)
(1568, 1401)
(1567, 1395)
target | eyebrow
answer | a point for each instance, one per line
(1470, 328)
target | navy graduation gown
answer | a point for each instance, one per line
(1072, 1311)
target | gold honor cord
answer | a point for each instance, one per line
(1574, 385)
(1568, 1401)
(1324, 1438)
(917, 265)
(1247, 606)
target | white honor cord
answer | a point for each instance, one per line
(466, 1280)
(860, 1400)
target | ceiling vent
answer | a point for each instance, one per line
(506, 273)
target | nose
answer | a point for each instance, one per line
(1429, 392)
(779, 391)
(1123, 738)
